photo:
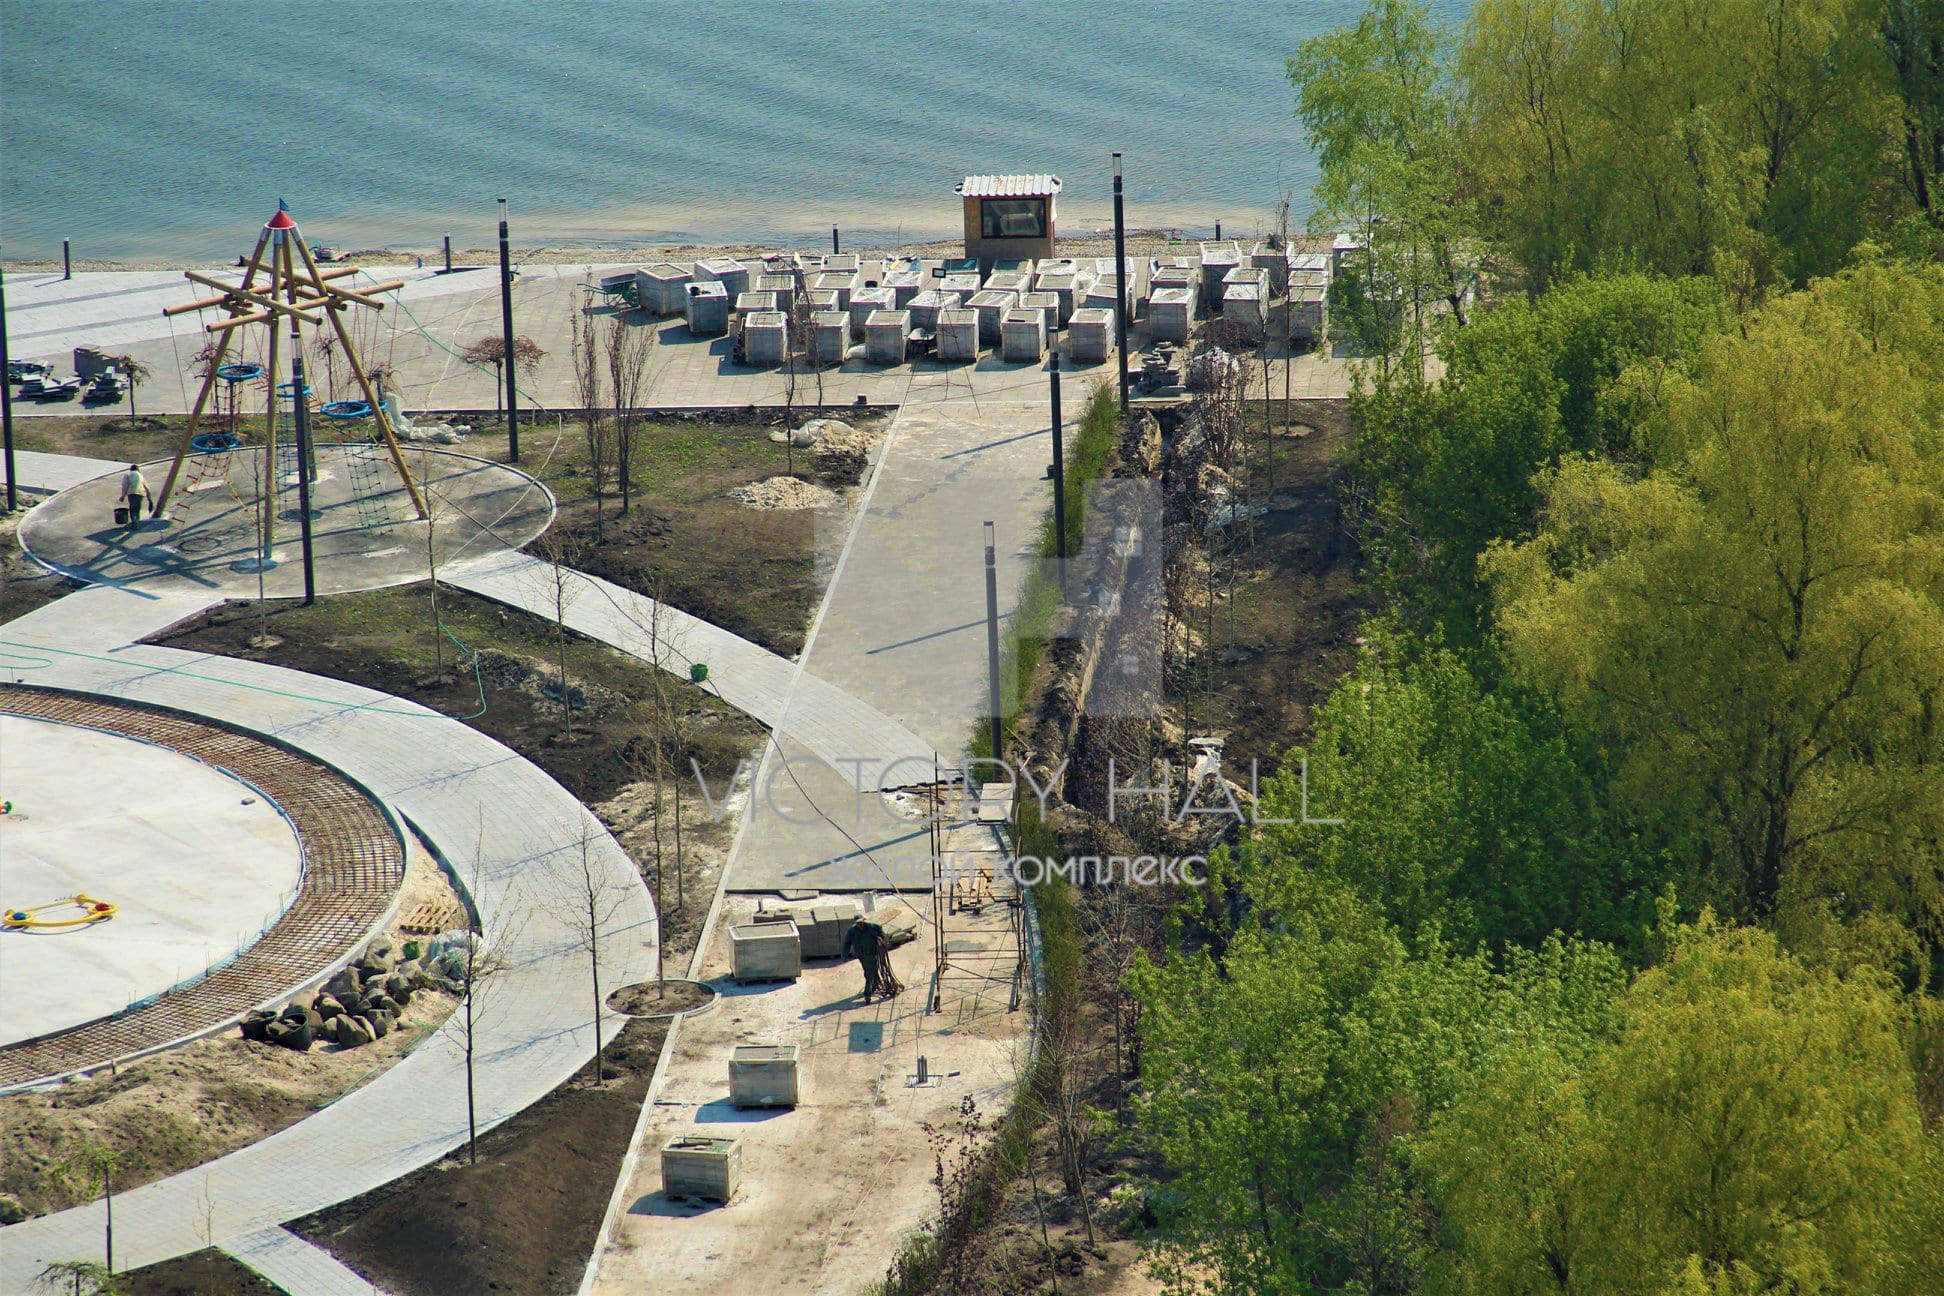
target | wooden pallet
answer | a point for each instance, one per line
(431, 917)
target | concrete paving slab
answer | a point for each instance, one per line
(365, 531)
(831, 1187)
(434, 317)
(509, 832)
(47, 474)
(197, 862)
(297, 1267)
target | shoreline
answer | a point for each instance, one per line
(1148, 241)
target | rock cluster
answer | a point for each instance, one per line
(364, 1000)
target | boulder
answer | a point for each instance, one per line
(256, 1024)
(382, 1004)
(382, 949)
(295, 1035)
(11, 1211)
(351, 1031)
(398, 988)
(327, 1007)
(381, 1022)
(352, 1003)
(342, 982)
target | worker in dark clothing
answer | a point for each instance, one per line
(865, 940)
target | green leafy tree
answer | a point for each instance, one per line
(1744, 138)
(1757, 625)
(1460, 807)
(1283, 1078)
(1444, 469)
(1752, 1127)
(1384, 118)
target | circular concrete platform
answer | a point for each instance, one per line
(365, 531)
(199, 863)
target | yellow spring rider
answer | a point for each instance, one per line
(91, 911)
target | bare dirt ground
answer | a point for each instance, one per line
(1296, 607)
(523, 1220)
(200, 1273)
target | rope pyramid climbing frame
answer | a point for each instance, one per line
(281, 286)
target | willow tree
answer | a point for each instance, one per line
(1756, 625)
(1753, 1126)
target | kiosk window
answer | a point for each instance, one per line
(1013, 218)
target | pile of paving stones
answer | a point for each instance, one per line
(364, 1000)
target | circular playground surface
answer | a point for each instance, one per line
(366, 531)
(192, 831)
(195, 862)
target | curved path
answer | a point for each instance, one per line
(353, 866)
(835, 726)
(514, 836)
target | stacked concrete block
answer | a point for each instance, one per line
(1307, 311)
(732, 274)
(904, 285)
(829, 337)
(1273, 262)
(783, 285)
(836, 281)
(958, 334)
(885, 335)
(701, 1165)
(926, 305)
(707, 309)
(1022, 335)
(821, 299)
(763, 1075)
(1012, 281)
(662, 288)
(765, 952)
(1090, 335)
(962, 282)
(750, 302)
(1243, 304)
(1102, 295)
(766, 337)
(1045, 302)
(866, 302)
(991, 306)
(1217, 259)
(1010, 266)
(841, 261)
(1347, 249)
(1172, 313)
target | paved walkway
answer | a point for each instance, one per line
(828, 721)
(512, 834)
(296, 1266)
(434, 316)
(36, 473)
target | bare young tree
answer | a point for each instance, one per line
(627, 353)
(590, 386)
(136, 373)
(589, 902)
(481, 965)
(562, 588)
(491, 350)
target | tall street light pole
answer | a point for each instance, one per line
(6, 400)
(1120, 271)
(506, 336)
(992, 640)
